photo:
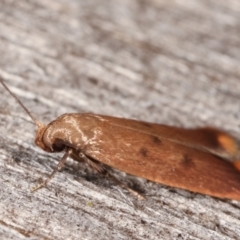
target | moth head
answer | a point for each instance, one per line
(48, 144)
(39, 138)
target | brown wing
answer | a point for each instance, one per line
(164, 161)
(206, 139)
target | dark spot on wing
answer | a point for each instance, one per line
(155, 140)
(143, 151)
(187, 161)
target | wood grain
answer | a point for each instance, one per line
(170, 62)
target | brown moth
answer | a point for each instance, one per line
(202, 160)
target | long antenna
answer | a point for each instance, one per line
(21, 104)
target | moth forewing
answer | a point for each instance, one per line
(161, 160)
(206, 139)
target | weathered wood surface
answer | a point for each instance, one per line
(174, 62)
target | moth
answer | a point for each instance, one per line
(201, 160)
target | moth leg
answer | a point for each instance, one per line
(96, 166)
(58, 168)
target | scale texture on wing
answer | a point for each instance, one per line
(149, 155)
(206, 139)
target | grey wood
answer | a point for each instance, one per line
(172, 62)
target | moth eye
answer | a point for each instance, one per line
(58, 147)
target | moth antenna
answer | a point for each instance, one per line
(39, 125)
